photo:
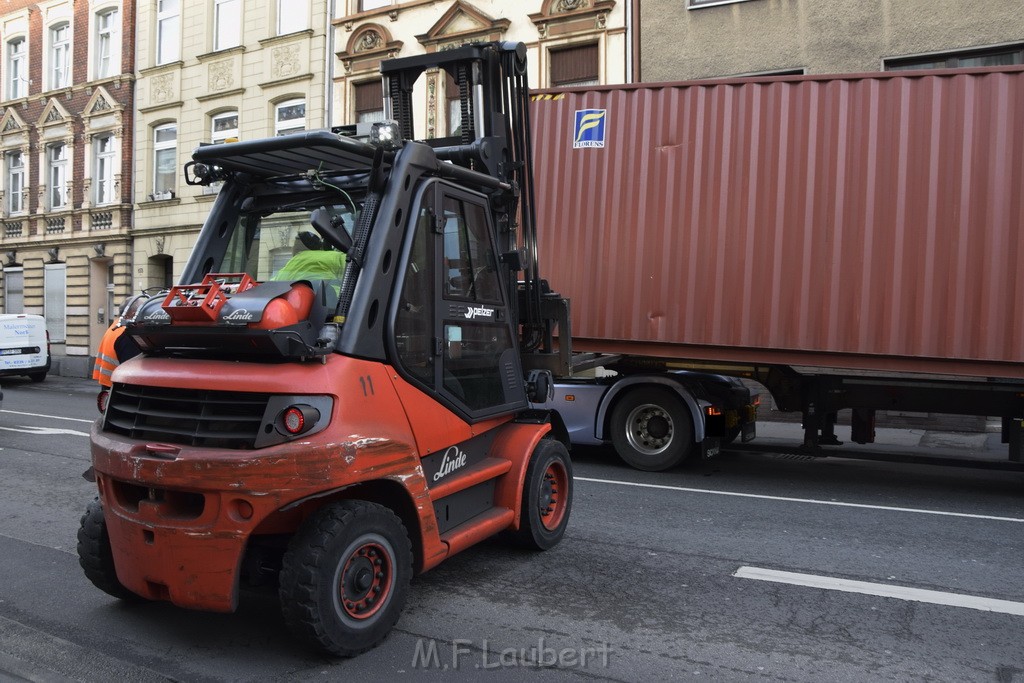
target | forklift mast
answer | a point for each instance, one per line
(493, 138)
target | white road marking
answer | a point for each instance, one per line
(802, 500)
(52, 417)
(43, 431)
(884, 590)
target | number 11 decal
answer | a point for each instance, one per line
(367, 384)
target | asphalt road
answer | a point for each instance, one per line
(680, 575)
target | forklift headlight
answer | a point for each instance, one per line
(386, 134)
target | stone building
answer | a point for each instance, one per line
(209, 71)
(66, 144)
(686, 39)
(570, 43)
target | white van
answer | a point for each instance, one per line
(24, 346)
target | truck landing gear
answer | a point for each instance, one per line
(345, 577)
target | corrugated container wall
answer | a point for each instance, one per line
(864, 221)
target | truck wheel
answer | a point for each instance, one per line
(547, 497)
(37, 376)
(651, 429)
(95, 556)
(345, 577)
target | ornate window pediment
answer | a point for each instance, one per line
(462, 23)
(11, 122)
(53, 113)
(101, 103)
(561, 17)
(369, 45)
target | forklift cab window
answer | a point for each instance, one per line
(468, 255)
(281, 244)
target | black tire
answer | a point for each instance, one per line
(547, 497)
(330, 558)
(37, 376)
(95, 556)
(651, 429)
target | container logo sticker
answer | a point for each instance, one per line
(589, 129)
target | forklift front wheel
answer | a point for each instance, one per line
(547, 497)
(95, 555)
(345, 577)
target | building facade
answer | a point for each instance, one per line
(66, 144)
(570, 43)
(686, 39)
(211, 71)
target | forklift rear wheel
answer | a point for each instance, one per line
(651, 430)
(345, 577)
(95, 555)
(547, 497)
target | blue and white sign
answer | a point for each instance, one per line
(589, 128)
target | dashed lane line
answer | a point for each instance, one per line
(885, 590)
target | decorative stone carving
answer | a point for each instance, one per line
(12, 124)
(569, 5)
(285, 61)
(432, 105)
(371, 40)
(54, 116)
(162, 88)
(101, 105)
(222, 76)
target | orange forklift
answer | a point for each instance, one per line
(346, 388)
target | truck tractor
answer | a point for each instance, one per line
(343, 389)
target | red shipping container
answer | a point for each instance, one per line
(868, 221)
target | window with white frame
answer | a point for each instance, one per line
(291, 17)
(290, 117)
(224, 126)
(55, 304)
(57, 175)
(60, 56)
(165, 159)
(17, 69)
(227, 23)
(104, 158)
(15, 163)
(168, 28)
(14, 290)
(108, 43)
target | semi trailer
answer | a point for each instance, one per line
(851, 242)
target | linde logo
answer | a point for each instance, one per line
(158, 314)
(453, 459)
(241, 314)
(479, 312)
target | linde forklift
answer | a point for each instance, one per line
(339, 393)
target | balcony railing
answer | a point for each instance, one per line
(12, 229)
(102, 221)
(54, 225)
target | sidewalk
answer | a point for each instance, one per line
(899, 442)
